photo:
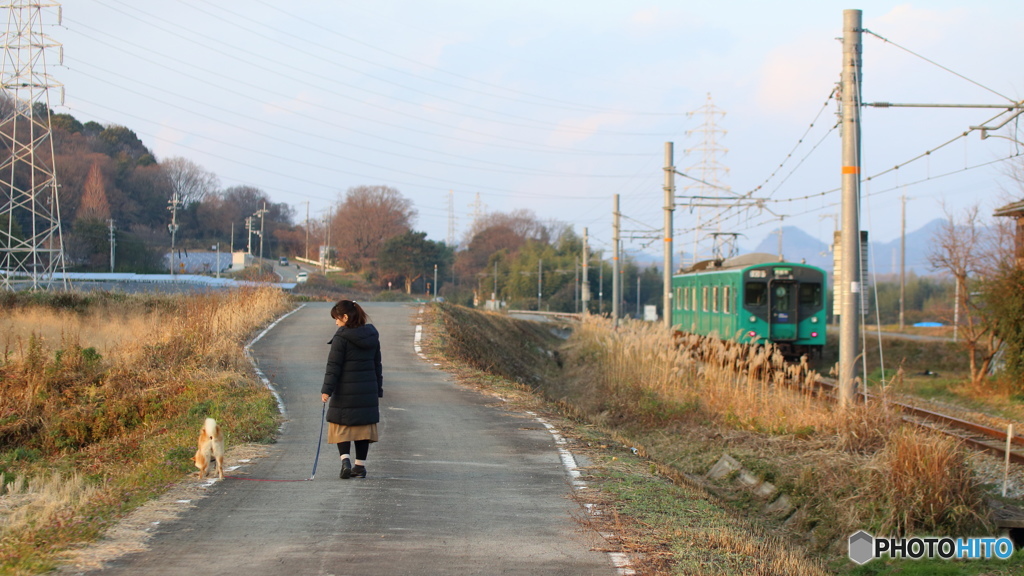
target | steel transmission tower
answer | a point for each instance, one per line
(709, 169)
(31, 244)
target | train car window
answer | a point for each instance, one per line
(727, 299)
(704, 298)
(714, 299)
(756, 294)
(678, 304)
(693, 294)
(782, 296)
(810, 294)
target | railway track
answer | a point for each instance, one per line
(974, 435)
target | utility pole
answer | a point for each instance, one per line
(248, 235)
(540, 277)
(435, 282)
(670, 206)
(173, 226)
(261, 213)
(307, 230)
(616, 283)
(600, 291)
(903, 256)
(780, 239)
(585, 287)
(576, 285)
(850, 88)
(113, 242)
(638, 293)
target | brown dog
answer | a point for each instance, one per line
(211, 447)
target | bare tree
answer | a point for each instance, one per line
(962, 247)
(189, 180)
(369, 217)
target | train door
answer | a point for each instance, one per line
(782, 309)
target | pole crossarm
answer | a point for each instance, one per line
(1014, 106)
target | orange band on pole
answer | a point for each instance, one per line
(851, 169)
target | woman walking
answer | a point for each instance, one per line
(353, 383)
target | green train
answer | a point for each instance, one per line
(753, 298)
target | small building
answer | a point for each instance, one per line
(1015, 210)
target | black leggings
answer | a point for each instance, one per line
(362, 448)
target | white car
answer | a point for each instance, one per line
(302, 277)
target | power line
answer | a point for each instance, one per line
(957, 74)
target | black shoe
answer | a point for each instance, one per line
(346, 469)
(359, 471)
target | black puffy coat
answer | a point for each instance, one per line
(354, 378)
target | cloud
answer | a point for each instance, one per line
(797, 77)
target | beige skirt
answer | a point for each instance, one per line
(340, 433)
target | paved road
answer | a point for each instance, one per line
(456, 485)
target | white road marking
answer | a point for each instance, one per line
(252, 360)
(620, 560)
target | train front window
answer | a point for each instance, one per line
(756, 294)
(781, 299)
(810, 294)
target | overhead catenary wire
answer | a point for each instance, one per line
(934, 63)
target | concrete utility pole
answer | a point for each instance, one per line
(261, 213)
(585, 287)
(307, 231)
(113, 242)
(248, 235)
(670, 206)
(849, 328)
(540, 276)
(173, 226)
(616, 281)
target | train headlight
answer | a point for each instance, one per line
(752, 334)
(814, 334)
(753, 318)
(814, 319)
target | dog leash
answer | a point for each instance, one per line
(316, 460)
(319, 439)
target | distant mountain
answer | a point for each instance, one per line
(797, 245)
(919, 243)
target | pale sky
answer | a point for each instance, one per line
(554, 106)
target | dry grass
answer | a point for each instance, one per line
(747, 387)
(639, 373)
(925, 485)
(88, 383)
(43, 500)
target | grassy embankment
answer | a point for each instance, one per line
(101, 397)
(842, 470)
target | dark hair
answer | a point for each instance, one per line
(356, 315)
